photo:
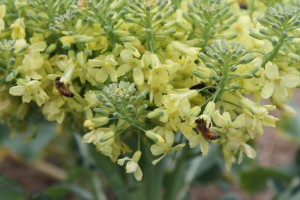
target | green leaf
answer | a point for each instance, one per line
(60, 192)
(11, 190)
(41, 197)
(229, 197)
(31, 142)
(254, 180)
(291, 126)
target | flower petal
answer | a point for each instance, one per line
(280, 94)
(239, 121)
(218, 119)
(290, 81)
(138, 174)
(271, 71)
(101, 75)
(268, 90)
(17, 90)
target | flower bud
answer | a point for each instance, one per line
(142, 108)
(84, 39)
(155, 114)
(229, 36)
(95, 122)
(154, 137)
(107, 136)
(130, 107)
(294, 57)
(264, 32)
(10, 77)
(256, 35)
(200, 74)
(51, 48)
(101, 111)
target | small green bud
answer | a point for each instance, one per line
(233, 68)
(108, 104)
(10, 77)
(142, 95)
(246, 59)
(221, 60)
(234, 86)
(11, 62)
(294, 57)
(229, 36)
(88, 52)
(51, 48)
(119, 101)
(274, 40)
(142, 108)
(116, 115)
(66, 46)
(256, 35)
(132, 99)
(264, 32)
(101, 111)
(130, 107)
(250, 73)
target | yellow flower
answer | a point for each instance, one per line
(131, 63)
(18, 30)
(158, 84)
(164, 148)
(53, 109)
(107, 64)
(237, 144)
(208, 111)
(178, 106)
(32, 66)
(225, 123)
(29, 89)
(277, 86)
(132, 165)
(2, 15)
(257, 116)
(104, 140)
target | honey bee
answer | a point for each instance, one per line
(206, 133)
(242, 5)
(62, 88)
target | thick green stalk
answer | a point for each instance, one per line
(175, 182)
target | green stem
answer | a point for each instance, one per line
(205, 36)
(175, 182)
(150, 37)
(222, 84)
(98, 188)
(271, 55)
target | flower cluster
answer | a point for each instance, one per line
(141, 73)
